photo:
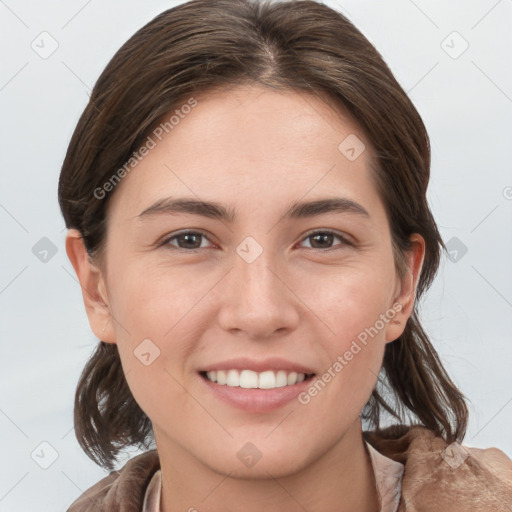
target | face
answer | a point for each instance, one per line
(256, 291)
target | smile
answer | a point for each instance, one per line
(250, 379)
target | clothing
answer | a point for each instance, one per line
(437, 477)
(388, 475)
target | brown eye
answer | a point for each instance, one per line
(324, 239)
(188, 240)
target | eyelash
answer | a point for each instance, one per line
(166, 241)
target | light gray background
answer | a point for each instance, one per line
(465, 101)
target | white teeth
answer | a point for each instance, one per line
(292, 378)
(267, 380)
(281, 379)
(251, 380)
(233, 378)
(248, 379)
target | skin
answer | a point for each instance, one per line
(255, 150)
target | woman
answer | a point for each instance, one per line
(246, 201)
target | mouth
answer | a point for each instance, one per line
(255, 385)
(249, 379)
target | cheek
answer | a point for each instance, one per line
(154, 301)
(348, 302)
(156, 327)
(353, 353)
(353, 305)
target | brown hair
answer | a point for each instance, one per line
(299, 45)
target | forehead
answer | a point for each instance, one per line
(254, 146)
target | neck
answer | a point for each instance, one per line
(341, 480)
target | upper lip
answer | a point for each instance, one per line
(273, 363)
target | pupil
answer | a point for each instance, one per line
(322, 236)
(187, 237)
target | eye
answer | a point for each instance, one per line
(323, 238)
(188, 239)
(191, 240)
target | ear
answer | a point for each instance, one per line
(405, 294)
(94, 291)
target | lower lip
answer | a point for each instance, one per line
(255, 399)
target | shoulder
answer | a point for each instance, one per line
(442, 476)
(121, 490)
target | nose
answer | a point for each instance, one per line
(257, 300)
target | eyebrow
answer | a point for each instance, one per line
(213, 210)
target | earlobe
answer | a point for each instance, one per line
(408, 286)
(92, 284)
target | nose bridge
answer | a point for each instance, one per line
(255, 271)
(257, 300)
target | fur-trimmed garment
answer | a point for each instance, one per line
(437, 477)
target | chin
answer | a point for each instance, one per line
(269, 466)
(261, 458)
